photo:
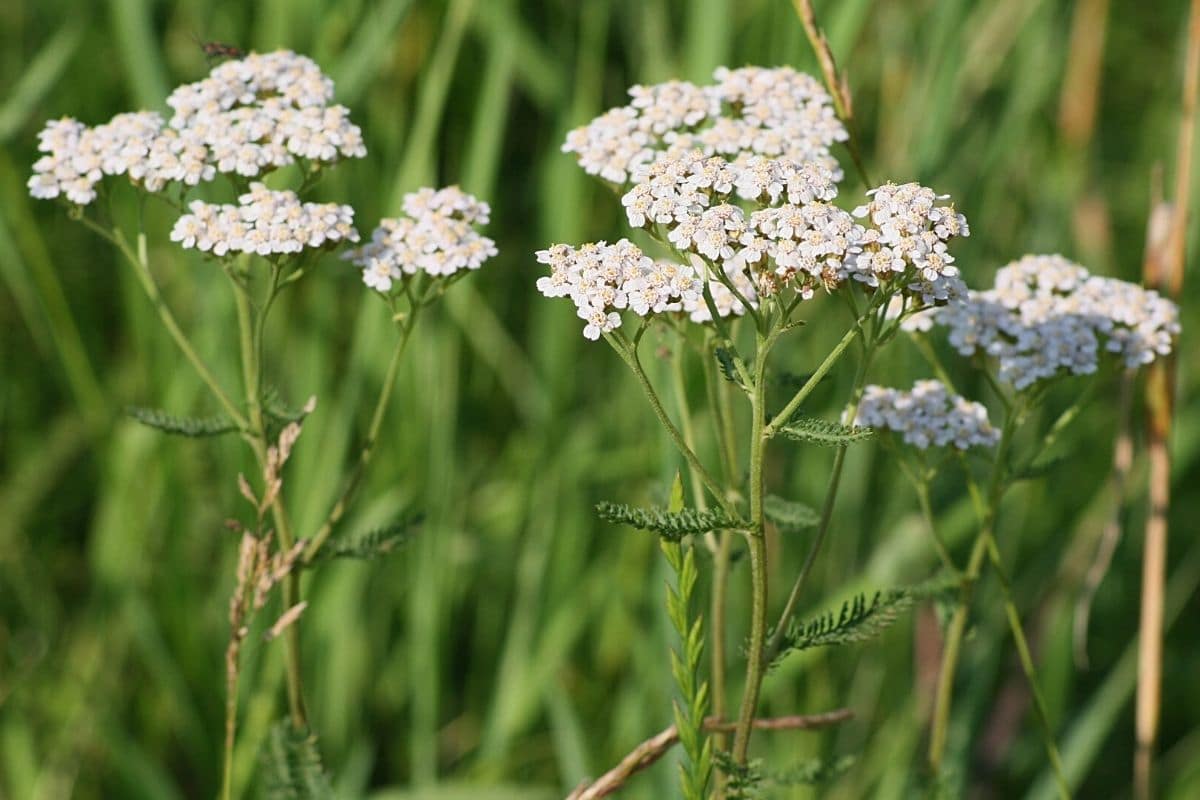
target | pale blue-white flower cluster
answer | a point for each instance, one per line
(1047, 316)
(929, 415)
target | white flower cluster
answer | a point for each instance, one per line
(265, 223)
(777, 113)
(604, 279)
(437, 236)
(1046, 315)
(928, 416)
(909, 235)
(805, 242)
(248, 117)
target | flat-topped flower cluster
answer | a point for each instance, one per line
(776, 113)
(264, 223)
(437, 236)
(929, 415)
(248, 117)
(1047, 316)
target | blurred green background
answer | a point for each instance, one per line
(518, 645)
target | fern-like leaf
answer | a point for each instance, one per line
(825, 433)
(813, 772)
(729, 363)
(372, 544)
(292, 766)
(180, 426)
(671, 526)
(859, 619)
(789, 516)
(742, 781)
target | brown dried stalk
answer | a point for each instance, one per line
(835, 81)
(1163, 270)
(657, 746)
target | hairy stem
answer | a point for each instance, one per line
(788, 410)
(628, 353)
(831, 491)
(756, 540)
(368, 449)
(1027, 666)
(251, 371)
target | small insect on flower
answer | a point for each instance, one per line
(217, 51)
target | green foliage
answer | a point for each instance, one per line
(789, 516)
(192, 427)
(291, 766)
(742, 781)
(692, 704)
(671, 526)
(373, 544)
(732, 366)
(814, 772)
(812, 430)
(1039, 468)
(859, 619)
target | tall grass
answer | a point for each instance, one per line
(518, 646)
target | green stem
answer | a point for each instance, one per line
(958, 623)
(788, 410)
(257, 437)
(139, 262)
(628, 354)
(368, 448)
(922, 489)
(1026, 658)
(835, 477)
(756, 540)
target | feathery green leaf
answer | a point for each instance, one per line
(373, 544)
(825, 433)
(292, 765)
(671, 526)
(789, 516)
(859, 619)
(180, 426)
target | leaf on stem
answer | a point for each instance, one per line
(789, 516)
(671, 526)
(373, 544)
(192, 427)
(824, 433)
(859, 619)
(732, 367)
(292, 765)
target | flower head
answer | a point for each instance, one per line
(603, 279)
(436, 236)
(748, 112)
(929, 415)
(1047, 316)
(265, 223)
(248, 117)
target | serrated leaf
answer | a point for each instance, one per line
(825, 433)
(729, 363)
(672, 526)
(181, 426)
(859, 619)
(1039, 469)
(813, 772)
(292, 765)
(788, 515)
(373, 544)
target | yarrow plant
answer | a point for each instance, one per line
(732, 191)
(264, 127)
